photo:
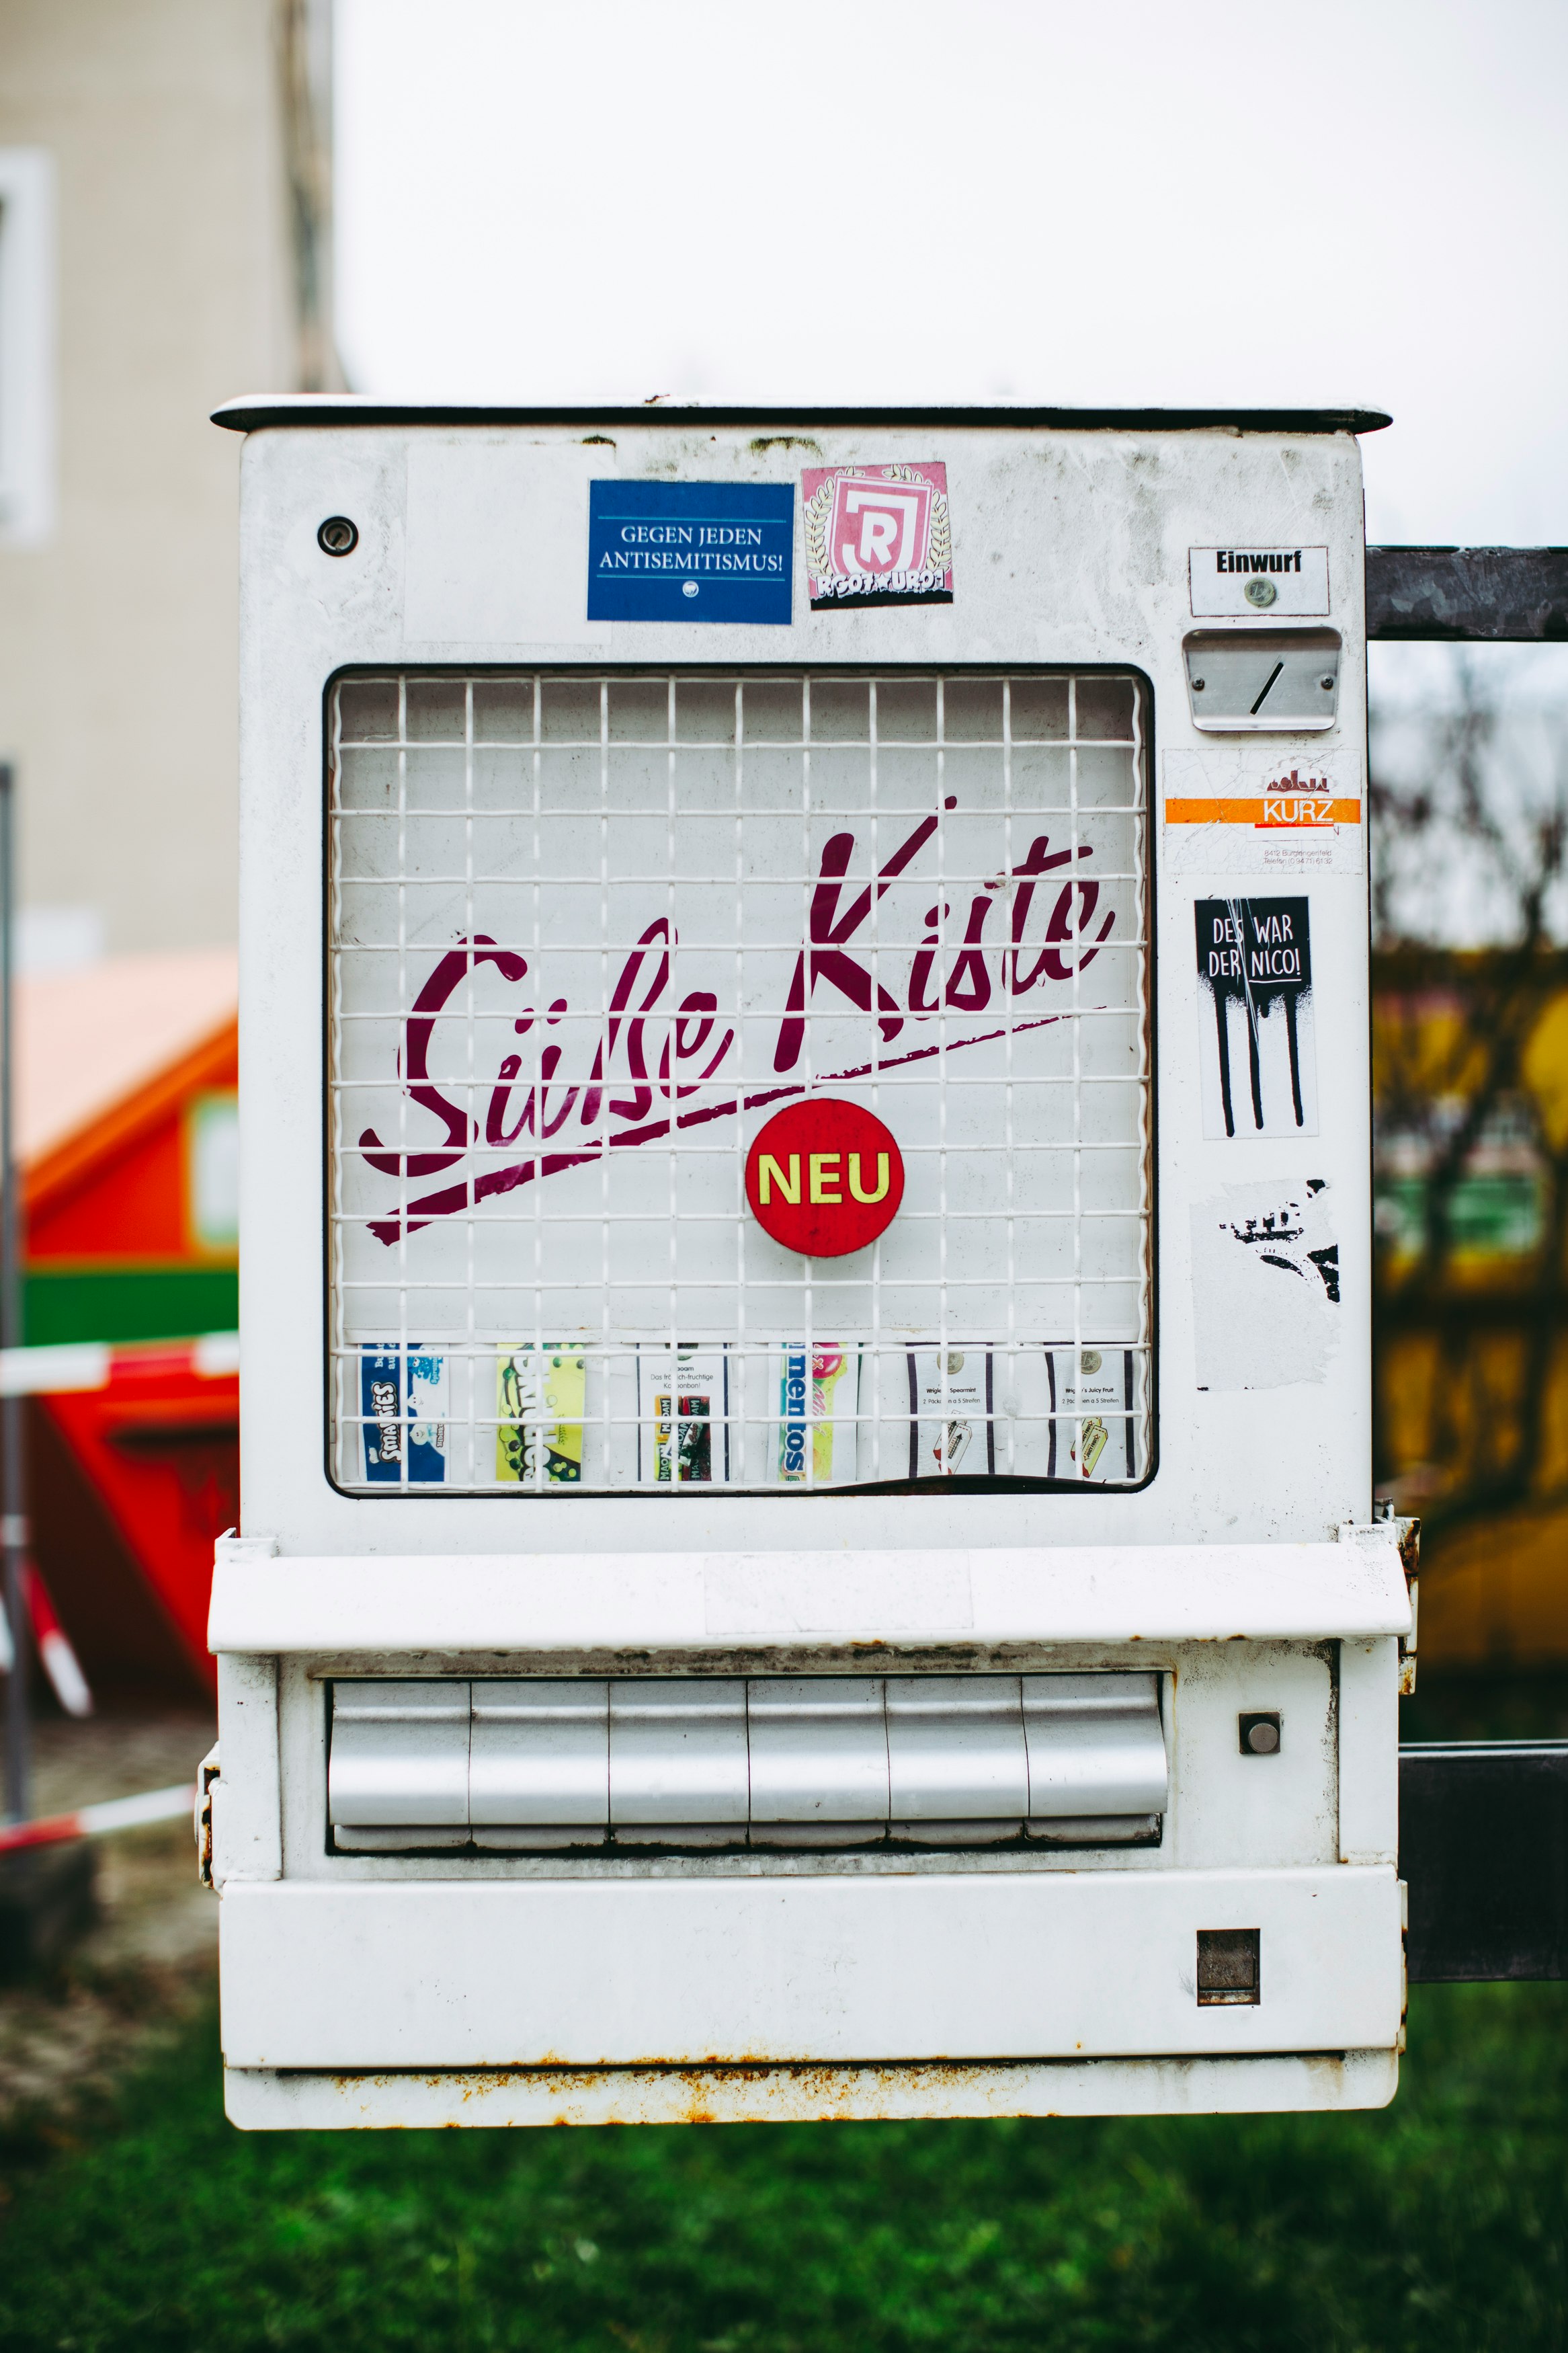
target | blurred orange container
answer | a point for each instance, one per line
(127, 1126)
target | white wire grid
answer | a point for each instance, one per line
(589, 932)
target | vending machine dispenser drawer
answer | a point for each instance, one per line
(400, 1762)
(693, 1761)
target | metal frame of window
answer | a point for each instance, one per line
(462, 1352)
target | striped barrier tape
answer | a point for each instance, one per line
(76, 1364)
(94, 1821)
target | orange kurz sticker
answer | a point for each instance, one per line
(1265, 810)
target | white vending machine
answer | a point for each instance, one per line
(808, 1539)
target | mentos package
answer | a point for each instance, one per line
(406, 1402)
(539, 1399)
(819, 1394)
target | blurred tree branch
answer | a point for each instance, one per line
(1447, 1084)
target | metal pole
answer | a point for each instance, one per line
(12, 1519)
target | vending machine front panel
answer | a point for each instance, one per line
(808, 1541)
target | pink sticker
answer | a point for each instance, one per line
(878, 534)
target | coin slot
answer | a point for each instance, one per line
(1266, 684)
(1277, 681)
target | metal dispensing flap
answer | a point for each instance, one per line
(1245, 681)
(540, 1752)
(818, 1750)
(400, 1753)
(955, 1747)
(1096, 1746)
(678, 1751)
(554, 1761)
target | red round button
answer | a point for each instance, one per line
(824, 1177)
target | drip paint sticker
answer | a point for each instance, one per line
(877, 535)
(1092, 1429)
(1266, 1285)
(692, 552)
(952, 1426)
(1243, 814)
(819, 1392)
(1257, 1043)
(540, 1396)
(404, 1422)
(683, 1436)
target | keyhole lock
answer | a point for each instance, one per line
(338, 536)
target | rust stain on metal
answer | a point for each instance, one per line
(1410, 1561)
(204, 1822)
(697, 2094)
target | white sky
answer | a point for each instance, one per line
(1199, 202)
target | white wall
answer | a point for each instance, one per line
(175, 287)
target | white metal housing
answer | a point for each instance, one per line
(577, 1761)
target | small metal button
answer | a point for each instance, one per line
(1259, 1735)
(338, 536)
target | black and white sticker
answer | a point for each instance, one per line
(1266, 1285)
(1258, 1051)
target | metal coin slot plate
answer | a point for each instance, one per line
(537, 1764)
(1262, 682)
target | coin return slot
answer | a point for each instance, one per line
(1245, 681)
(1228, 1971)
(537, 1765)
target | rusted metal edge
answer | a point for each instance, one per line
(776, 2092)
(1501, 595)
(1483, 1849)
(253, 413)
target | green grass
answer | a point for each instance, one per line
(1442, 2223)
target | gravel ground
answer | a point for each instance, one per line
(151, 1958)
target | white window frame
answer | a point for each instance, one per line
(28, 352)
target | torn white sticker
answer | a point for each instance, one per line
(1266, 1285)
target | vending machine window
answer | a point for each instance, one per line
(590, 936)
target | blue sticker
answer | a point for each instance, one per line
(692, 552)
